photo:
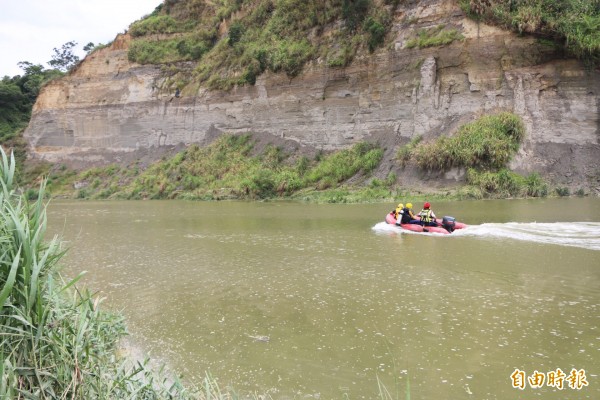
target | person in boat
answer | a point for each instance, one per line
(427, 215)
(408, 217)
(398, 213)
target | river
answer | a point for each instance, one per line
(323, 301)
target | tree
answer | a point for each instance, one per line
(89, 47)
(64, 59)
(34, 78)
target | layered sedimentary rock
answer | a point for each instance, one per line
(109, 107)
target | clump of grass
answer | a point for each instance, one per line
(344, 164)
(404, 153)
(489, 142)
(505, 183)
(562, 191)
(535, 185)
(431, 37)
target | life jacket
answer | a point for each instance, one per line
(425, 215)
(406, 216)
(398, 213)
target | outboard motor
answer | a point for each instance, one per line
(449, 223)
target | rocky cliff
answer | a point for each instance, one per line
(110, 109)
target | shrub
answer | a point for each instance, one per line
(82, 194)
(189, 49)
(390, 179)
(236, 30)
(288, 182)
(562, 191)
(376, 32)
(290, 56)
(154, 52)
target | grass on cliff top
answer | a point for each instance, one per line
(574, 22)
(262, 35)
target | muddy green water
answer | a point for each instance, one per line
(346, 300)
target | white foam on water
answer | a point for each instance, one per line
(384, 227)
(576, 234)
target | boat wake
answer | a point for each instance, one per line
(576, 234)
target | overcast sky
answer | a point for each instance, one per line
(31, 29)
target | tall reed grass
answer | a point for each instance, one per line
(55, 342)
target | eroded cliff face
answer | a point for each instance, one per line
(109, 108)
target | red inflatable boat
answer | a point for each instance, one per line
(445, 225)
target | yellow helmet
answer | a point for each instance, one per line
(400, 205)
(409, 205)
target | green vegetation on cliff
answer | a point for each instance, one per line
(484, 147)
(437, 36)
(260, 35)
(576, 22)
(489, 143)
(229, 168)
